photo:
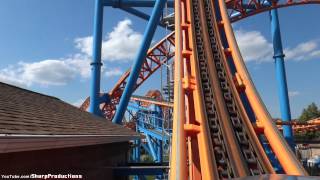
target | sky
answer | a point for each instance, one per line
(46, 46)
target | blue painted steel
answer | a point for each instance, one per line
(104, 98)
(145, 147)
(150, 30)
(136, 150)
(96, 63)
(281, 76)
(151, 148)
(159, 151)
(273, 159)
(136, 153)
(146, 170)
(134, 3)
(153, 133)
(135, 107)
(140, 14)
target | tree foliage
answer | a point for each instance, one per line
(309, 113)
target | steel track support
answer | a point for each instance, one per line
(151, 147)
(281, 76)
(134, 3)
(147, 38)
(96, 63)
(139, 14)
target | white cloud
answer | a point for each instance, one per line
(46, 72)
(113, 72)
(293, 93)
(303, 51)
(254, 46)
(81, 63)
(315, 54)
(10, 75)
(121, 44)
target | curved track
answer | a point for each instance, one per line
(162, 51)
(239, 9)
(158, 55)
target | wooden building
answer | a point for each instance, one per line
(43, 135)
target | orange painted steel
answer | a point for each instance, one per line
(159, 54)
(152, 59)
(191, 155)
(280, 147)
(301, 127)
(151, 101)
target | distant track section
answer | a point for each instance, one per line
(240, 9)
(159, 54)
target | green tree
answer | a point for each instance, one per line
(309, 113)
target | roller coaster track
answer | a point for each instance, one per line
(301, 127)
(239, 9)
(214, 137)
(159, 54)
(162, 51)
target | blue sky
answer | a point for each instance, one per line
(45, 46)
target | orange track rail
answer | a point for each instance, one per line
(278, 144)
(301, 127)
(191, 155)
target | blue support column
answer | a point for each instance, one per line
(140, 14)
(147, 38)
(281, 76)
(96, 63)
(159, 151)
(151, 148)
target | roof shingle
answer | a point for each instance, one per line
(30, 113)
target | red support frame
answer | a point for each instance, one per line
(164, 50)
(239, 9)
(159, 54)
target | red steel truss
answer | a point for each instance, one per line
(159, 54)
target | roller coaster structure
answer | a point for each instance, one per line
(220, 126)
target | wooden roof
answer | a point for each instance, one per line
(27, 115)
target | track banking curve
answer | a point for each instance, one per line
(234, 147)
(239, 9)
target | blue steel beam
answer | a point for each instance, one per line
(96, 63)
(133, 3)
(155, 134)
(159, 151)
(281, 76)
(151, 148)
(145, 147)
(139, 14)
(136, 12)
(147, 38)
(140, 170)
